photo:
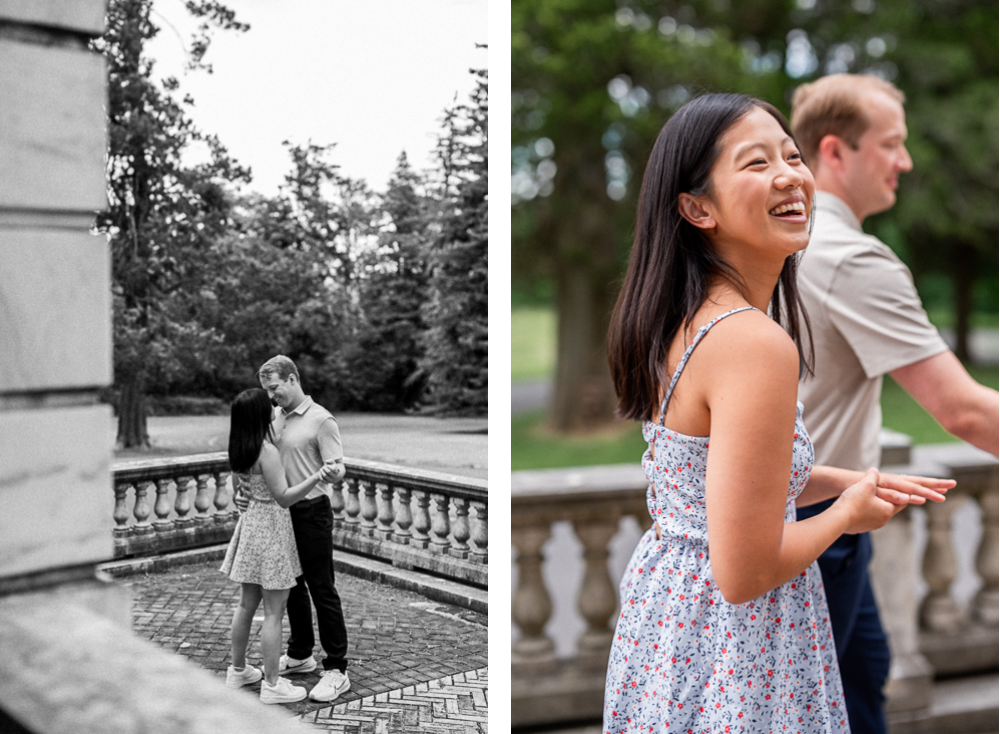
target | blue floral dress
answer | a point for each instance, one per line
(683, 659)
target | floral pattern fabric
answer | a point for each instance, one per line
(262, 550)
(683, 659)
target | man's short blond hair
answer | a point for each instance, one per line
(834, 105)
(279, 365)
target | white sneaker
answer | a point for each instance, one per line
(281, 692)
(331, 685)
(245, 677)
(291, 666)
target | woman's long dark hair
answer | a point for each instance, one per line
(672, 263)
(249, 425)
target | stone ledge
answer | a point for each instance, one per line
(67, 670)
(958, 706)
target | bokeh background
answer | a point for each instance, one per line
(592, 83)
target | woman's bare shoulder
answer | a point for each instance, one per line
(752, 341)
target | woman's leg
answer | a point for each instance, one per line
(270, 631)
(250, 595)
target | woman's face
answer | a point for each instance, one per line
(760, 193)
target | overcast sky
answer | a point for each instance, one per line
(372, 76)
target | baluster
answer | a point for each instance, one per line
(337, 503)
(120, 513)
(460, 530)
(386, 515)
(182, 503)
(141, 509)
(404, 517)
(369, 509)
(353, 505)
(440, 525)
(597, 600)
(480, 533)
(986, 600)
(202, 500)
(162, 506)
(422, 520)
(938, 611)
(223, 497)
(531, 605)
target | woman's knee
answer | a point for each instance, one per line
(250, 595)
(275, 601)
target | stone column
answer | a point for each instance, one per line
(55, 292)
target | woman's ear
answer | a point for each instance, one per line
(693, 210)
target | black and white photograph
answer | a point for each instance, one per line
(244, 402)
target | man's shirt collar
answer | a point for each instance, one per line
(832, 204)
(301, 408)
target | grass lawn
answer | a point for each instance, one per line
(532, 343)
(533, 447)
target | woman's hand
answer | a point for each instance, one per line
(867, 505)
(331, 472)
(903, 488)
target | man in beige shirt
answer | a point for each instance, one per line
(867, 321)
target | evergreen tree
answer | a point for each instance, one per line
(392, 295)
(456, 345)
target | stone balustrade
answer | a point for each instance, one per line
(410, 517)
(414, 519)
(936, 634)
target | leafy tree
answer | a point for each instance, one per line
(593, 82)
(455, 344)
(162, 216)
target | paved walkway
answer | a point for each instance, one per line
(415, 664)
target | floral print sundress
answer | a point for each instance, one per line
(683, 659)
(262, 550)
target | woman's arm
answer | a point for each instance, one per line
(748, 377)
(274, 476)
(827, 482)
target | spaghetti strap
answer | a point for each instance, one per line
(687, 354)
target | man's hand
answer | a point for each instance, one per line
(334, 472)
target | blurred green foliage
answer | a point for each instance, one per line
(594, 80)
(532, 446)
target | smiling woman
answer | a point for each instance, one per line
(738, 637)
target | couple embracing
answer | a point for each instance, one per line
(284, 450)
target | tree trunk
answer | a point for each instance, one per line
(583, 395)
(587, 271)
(132, 431)
(963, 279)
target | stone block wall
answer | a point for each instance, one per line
(55, 291)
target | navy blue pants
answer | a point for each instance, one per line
(862, 647)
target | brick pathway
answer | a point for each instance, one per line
(456, 703)
(428, 659)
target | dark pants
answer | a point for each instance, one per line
(312, 521)
(862, 648)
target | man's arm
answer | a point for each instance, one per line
(330, 446)
(961, 405)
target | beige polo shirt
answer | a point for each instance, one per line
(307, 438)
(867, 320)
